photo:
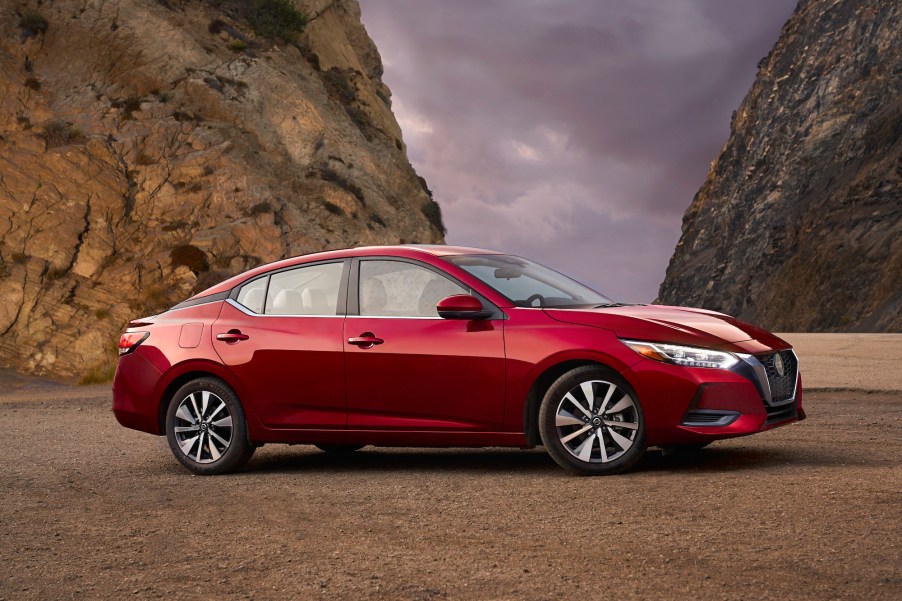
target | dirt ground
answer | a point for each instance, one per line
(91, 510)
(849, 361)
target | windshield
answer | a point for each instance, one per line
(528, 284)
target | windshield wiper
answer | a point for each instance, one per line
(609, 305)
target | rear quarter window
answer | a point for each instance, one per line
(253, 294)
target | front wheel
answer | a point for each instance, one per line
(591, 422)
(206, 428)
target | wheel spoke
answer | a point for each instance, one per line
(625, 403)
(607, 398)
(584, 451)
(225, 422)
(200, 447)
(565, 418)
(181, 429)
(197, 413)
(616, 424)
(221, 440)
(623, 441)
(204, 401)
(218, 409)
(185, 414)
(573, 400)
(187, 444)
(601, 445)
(214, 452)
(589, 393)
(579, 432)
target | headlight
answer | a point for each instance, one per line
(683, 355)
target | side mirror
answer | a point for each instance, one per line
(461, 306)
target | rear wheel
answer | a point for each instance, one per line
(206, 428)
(591, 422)
(340, 449)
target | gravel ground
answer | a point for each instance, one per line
(849, 361)
(91, 510)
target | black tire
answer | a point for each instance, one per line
(234, 455)
(340, 449)
(554, 400)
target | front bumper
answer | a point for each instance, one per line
(685, 405)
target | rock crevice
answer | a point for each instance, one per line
(150, 149)
(798, 226)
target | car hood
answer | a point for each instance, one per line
(679, 325)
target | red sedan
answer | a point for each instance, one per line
(445, 347)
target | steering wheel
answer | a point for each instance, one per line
(536, 297)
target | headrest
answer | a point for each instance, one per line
(373, 297)
(315, 302)
(437, 289)
(254, 299)
(288, 302)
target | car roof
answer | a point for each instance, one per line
(442, 250)
(399, 250)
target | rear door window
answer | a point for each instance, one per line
(311, 290)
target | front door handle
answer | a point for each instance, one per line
(365, 340)
(232, 336)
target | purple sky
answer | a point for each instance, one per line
(573, 132)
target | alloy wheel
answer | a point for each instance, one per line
(203, 426)
(597, 421)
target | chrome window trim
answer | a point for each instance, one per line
(247, 311)
(436, 318)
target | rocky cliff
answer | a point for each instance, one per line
(149, 148)
(798, 226)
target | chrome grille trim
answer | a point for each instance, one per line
(763, 380)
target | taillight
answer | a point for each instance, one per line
(130, 341)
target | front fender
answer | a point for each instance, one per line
(537, 343)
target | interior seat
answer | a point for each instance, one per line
(288, 302)
(373, 298)
(437, 289)
(254, 300)
(315, 302)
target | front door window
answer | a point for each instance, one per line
(399, 289)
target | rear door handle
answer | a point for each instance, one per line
(232, 336)
(365, 340)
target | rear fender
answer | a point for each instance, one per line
(199, 368)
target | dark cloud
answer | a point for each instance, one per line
(575, 132)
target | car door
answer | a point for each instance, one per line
(281, 337)
(408, 368)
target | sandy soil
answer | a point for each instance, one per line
(849, 361)
(91, 510)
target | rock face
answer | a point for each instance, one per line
(150, 148)
(799, 224)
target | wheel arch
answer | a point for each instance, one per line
(540, 385)
(181, 375)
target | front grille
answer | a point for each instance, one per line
(782, 387)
